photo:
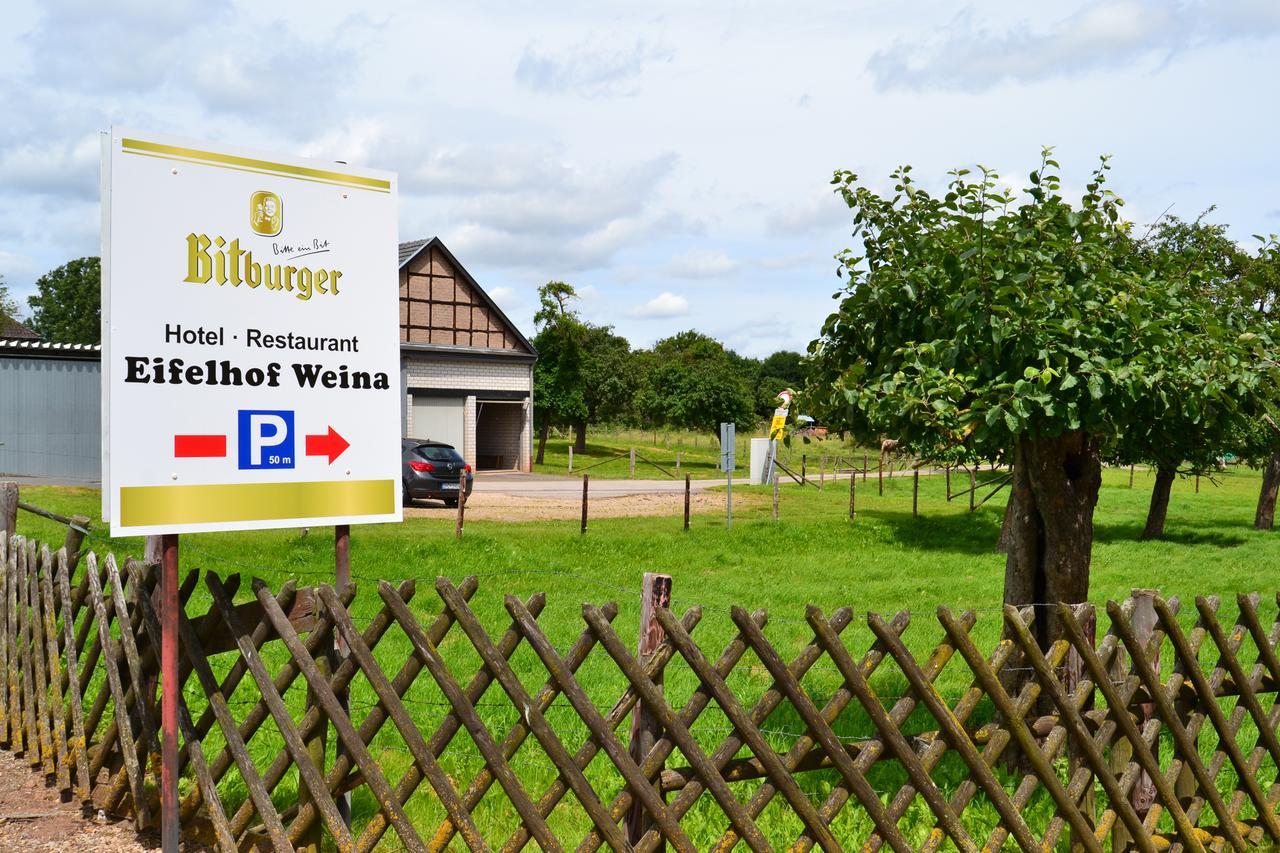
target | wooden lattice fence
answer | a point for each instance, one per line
(1162, 735)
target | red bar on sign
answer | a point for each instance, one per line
(186, 446)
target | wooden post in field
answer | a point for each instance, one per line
(948, 482)
(915, 493)
(804, 468)
(655, 595)
(1131, 476)
(462, 505)
(864, 467)
(585, 477)
(9, 508)
(853, 497)
(677, 463)
(686, 501)
(822, 471)
(880, 474)
(1197, 484)
(571, 459)
(973, 486)
(633, 463)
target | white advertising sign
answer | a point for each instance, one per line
(251, 356)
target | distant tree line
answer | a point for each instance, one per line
(587, 375)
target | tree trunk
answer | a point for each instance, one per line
(1002, 544)
(1266, 514)
(1050, 542)
(1159, 503)
(543, 432)
(580, 437)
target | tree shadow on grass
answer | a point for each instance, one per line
(1132, 532)
(965, 534)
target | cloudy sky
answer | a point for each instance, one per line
(672, 163)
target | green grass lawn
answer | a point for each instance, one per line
(886, 561)
(608, 451)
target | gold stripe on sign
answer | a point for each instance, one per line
(225, 502)
(213, 158)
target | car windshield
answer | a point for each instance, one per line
(439, 454)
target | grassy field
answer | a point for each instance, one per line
(886, 561)
(607, 449)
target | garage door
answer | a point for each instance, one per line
(438, 419)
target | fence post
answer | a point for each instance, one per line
(1131, 476)
(1143, 622)
(822, 471)
(462, 504)
(655, 594)
(1075, 672)
(865, 462)
(677, 462)
(804, 468)
(853, 496)
(571, 459)
(915, 493)
(585, 478)
(74, 539)
(973, 485)
(880, 474)
(1197, 484)
(316, 745)
(633, 463)
(686, 501)
(9, 508)
(948, 482)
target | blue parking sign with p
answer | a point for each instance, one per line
(266, 439)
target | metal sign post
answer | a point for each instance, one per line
(728, 461)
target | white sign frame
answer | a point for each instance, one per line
(250, 339)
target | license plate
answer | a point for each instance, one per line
(448, 486)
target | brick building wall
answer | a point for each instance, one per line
(456, 343)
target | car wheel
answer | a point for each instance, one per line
(451, 502)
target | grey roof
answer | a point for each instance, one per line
(410, 250)
(11, 328)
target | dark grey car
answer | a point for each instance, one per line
(433, 469)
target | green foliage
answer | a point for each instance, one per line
(608, 374)
(8, 305)
(67, 304)
(557, 375)
(1186, 421)
(692, 382)
(973, 317)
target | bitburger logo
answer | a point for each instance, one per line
(266, 213)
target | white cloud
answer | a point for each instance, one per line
(504, 296)
(702, 263)
(663, 306)
(971, 55)
(822, 211)
(589, 69)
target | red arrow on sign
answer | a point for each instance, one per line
(330, 444)
(191, 446)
